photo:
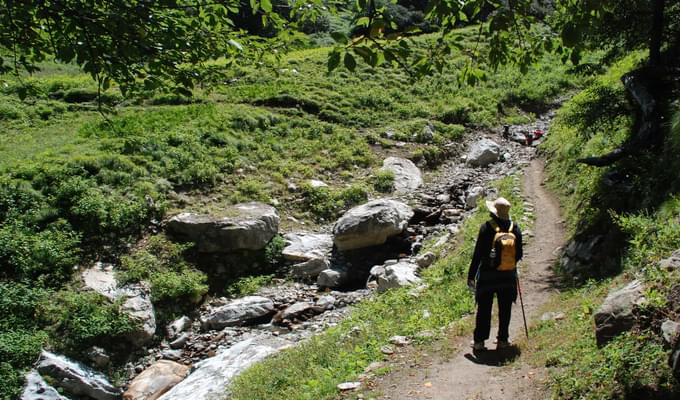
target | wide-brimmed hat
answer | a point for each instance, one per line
(499, 207)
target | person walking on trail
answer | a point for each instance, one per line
(493, 272)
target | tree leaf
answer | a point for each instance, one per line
(266, 5)
(350, 62)
(333, 60)
(340, 37)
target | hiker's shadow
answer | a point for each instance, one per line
(494, 358)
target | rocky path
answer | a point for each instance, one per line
(491, 375)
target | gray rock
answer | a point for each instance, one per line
(181, 341)
(552, 316)
(137, 304)
(211, 377)
(398, 275)
(371, 224)
(75, 378)
(178, 326)
(172, 355)
(98, 356)
(326, 302)
(400, 341)
(345, 386)
(578, 256)
(331, 278)
(615, 315)
(247, 226)
(426, 259)
(483, 153)
(316, 183)
(238, 312)
(473, 196)
(670, 330)
(407, 176)
(309, 269)
(37, 389)
(307, 246)
(156, 380)
(296, 310)
(427, 133)
(672, 262)
(101, 279)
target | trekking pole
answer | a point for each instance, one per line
(521, 302)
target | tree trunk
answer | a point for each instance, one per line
(656, 33)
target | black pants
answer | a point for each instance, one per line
(506, 296)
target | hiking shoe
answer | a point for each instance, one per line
(478, 346)
(502, 344)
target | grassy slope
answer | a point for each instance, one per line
(633, 365)
(76, 188)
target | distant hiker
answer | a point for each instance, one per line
(529, 138)
(493, 272)
(506, 131)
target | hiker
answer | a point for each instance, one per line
(493, 272)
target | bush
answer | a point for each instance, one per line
(82, 319)
(162, 263)
(11, 381)
(247, 285)
(325, 203)
(187, 285)
(383, 181)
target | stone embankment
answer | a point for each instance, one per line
(372, 248)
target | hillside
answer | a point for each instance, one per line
(80, 188)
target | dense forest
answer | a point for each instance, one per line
(161, 159)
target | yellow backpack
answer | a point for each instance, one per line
(503, 249)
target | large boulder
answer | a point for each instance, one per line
(239, 312)
(210, 378)
(307, 246)
(75, 378)
(483, 153)
(309, 269)
(371, 224)
(407, 177)
(616, 314)
(245, 226)
(101, 279)
(397, 275)
(137, 304)
(37, 389)
(332, 278)
(156, 380)
(473, 196)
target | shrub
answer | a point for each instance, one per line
(162, 263)
(383, 181)
(187, 284)
(11, 381)
(247, 285)
(82, 319)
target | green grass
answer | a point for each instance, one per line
(312, 369)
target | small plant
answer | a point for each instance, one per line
(383, 181)
(247, 285)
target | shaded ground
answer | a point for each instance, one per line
(455, 372)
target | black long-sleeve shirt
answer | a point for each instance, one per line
(481, 257)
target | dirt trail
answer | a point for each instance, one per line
(466, 376)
